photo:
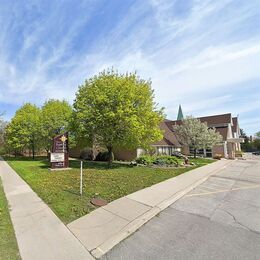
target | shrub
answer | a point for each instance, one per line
(2, 150)
(102, 157)
(217, 156)
(162, 160)
(166, 160)
(86, 154)
(238, 154)
(145, 160)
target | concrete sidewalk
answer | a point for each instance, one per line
(39, 232)
(105, 227)
(219, 219)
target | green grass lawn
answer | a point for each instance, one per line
(200, 161)
(8, 244)
(60, 189)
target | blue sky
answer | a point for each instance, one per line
(202, 54)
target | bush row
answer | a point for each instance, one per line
(161, 160)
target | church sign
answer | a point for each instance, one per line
(60, 155)
(57, 157)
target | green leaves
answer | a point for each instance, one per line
(117, 110)
(56, 118)
(33, 128)
(110, 110)
(24, 130)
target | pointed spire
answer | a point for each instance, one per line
(180, 114)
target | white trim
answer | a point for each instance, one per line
(235, 140)
(164, 145)
(225, 150)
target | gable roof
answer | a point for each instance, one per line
(235, 124)
(216, 120)
(235, 127)
(223, 131)
(220, 122)
(169, 138)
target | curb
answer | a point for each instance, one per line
(133, 226)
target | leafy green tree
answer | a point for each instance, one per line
(256, 144)
(55, 117)
(257, 134)
(242, 133)
(117, 111)
(193, 133)
(24, 130)
(247, 146)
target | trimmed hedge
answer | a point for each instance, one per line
(162, 160)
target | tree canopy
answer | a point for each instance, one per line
(117, 110)
(55, 118)
(24, 130)
(250, 144)
(193, 133)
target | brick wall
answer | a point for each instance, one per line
(218, 149)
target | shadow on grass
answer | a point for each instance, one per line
(98, 165)
(26, 159)
(72, 192)
(74, 164)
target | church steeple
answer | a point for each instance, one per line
(180, 114)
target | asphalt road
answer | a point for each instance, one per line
(220, 219)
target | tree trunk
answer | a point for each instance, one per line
(47, 154)
(205, 152)
(110, 154)
(33, 151)
(195, 153)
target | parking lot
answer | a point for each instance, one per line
(220, 219)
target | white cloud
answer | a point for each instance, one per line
(201, 46)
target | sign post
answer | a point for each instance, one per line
(81, 177)
(60, 155)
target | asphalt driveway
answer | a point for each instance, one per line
(220, 219)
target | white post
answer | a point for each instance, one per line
(81, 171)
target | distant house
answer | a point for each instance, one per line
(225, 124)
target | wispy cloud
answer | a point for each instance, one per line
(202, 53)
